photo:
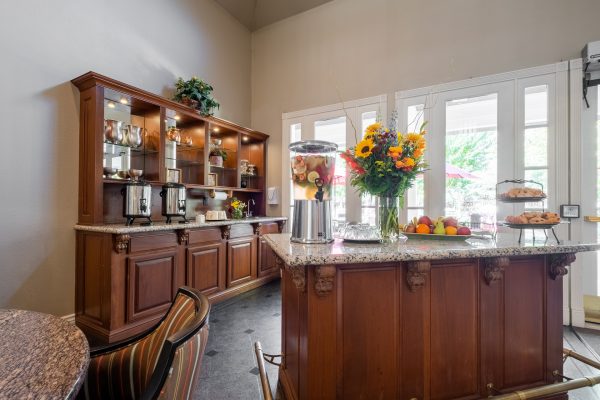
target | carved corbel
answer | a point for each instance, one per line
(298, 273)
(183, 236)
(559, 263)
(257, 228)
(494, 268)
(416, 274)
(225, 231)
(279, 262)
(280, 225)
(121, 243)
(324, 279)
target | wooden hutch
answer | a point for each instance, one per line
(126, 277)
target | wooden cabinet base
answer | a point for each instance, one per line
(440, 329)
(125, 283)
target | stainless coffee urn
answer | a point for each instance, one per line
(137, 201)
(173, 201)
(313, 167)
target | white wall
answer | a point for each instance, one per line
(358, 48)
(43, 45)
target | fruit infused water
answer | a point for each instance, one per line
(313, 165)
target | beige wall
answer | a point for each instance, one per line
(367, 48)
(43, 45)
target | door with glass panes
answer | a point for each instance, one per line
(479, 136)
(343, 127)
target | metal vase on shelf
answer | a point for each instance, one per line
(113, 131)
(313, 166)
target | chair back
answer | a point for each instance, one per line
(164, 360)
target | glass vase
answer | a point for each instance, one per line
(389, 209)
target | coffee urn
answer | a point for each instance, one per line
(137, 201)
(313, 167)
(173, 201)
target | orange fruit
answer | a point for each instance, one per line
(422, 228)
(451, 230)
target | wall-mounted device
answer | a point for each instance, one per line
(591, 67)
(273, 195)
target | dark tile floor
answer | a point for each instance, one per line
(229, 369)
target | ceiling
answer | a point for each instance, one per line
(255, 14)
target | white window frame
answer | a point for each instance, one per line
(352, 109)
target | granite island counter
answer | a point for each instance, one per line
(420, 320)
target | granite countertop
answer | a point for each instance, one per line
(41, 356)
(120, 229)
(338, 252)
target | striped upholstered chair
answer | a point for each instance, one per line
(163, 363)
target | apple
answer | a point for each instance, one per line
(463, 230)
(450, 221)
(425, 220)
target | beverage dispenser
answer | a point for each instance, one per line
(313, 167)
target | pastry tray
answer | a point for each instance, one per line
(505, 199)
(529, 226)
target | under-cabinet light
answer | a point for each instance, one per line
(123, 100)
(215, 129)
(177, 118)
(110, 104)
(245, 138)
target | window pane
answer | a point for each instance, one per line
(536, 147)
(536, 105)
(369, 209)
(414, 213)
(540, 176)
(415, 196)
(368, 118)
(414, 117)
(295, 132)
(334, 130)
(471, 157)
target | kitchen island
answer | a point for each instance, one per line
(420, 320)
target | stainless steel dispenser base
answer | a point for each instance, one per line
(312, 222)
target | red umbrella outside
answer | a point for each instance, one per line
(456, 172)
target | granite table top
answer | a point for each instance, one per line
(121, 229)
(41, 356)
(339, 252)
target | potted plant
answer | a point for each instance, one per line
(195, 93)
(217, 156)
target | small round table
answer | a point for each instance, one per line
(41, 356)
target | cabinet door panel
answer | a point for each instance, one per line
(241, 261)
(206, 267)
(454, 330)
(151, 284)
(266, 259)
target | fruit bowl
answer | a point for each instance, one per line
(432, 236)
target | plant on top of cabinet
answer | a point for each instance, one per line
(195, 93)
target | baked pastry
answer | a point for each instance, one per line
(537, 220)
(531, 214)
(523, 192)
(550, 215)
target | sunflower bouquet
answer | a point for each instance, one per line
(236, 208)
(385, 163)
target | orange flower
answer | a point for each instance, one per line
(395, 151)
(400, 164)
(418, 153)
(408, 162)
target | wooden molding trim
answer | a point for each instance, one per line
(494, 268)
(559, 263)
(121, 243)
(324, 279)
(183, 236)
(417, 273)
(225, 231)
(298, 273)
(280, 225)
